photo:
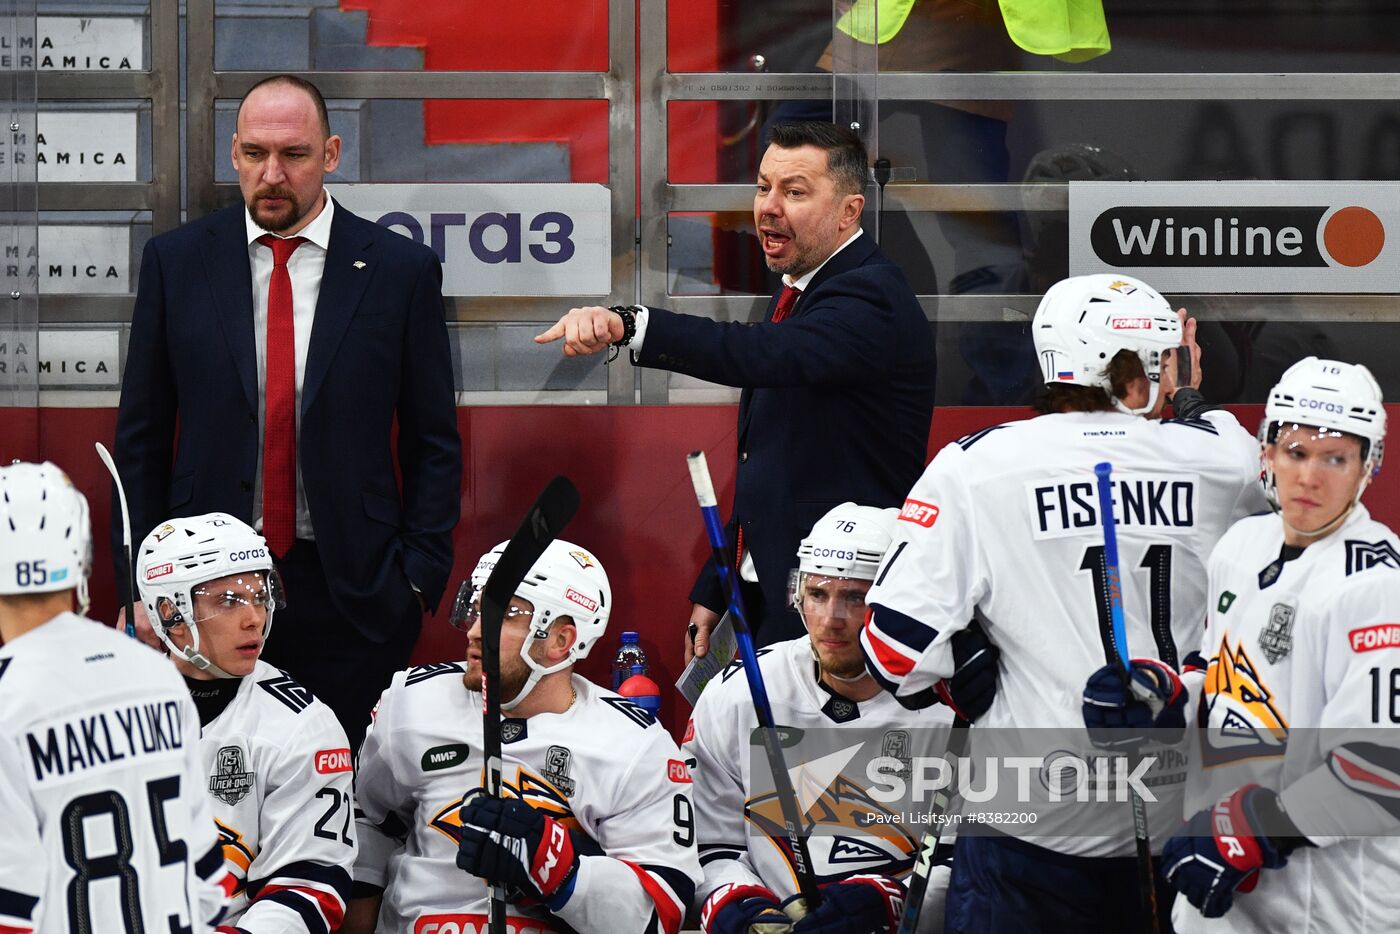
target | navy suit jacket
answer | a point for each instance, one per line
(378, 356)
(836, 405)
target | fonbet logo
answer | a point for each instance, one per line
(159, 570)
(1259, 235)
(925, 514)
(1371, 638)
(1130, 324)
(475, 924)
(573, 596)
(330, 761)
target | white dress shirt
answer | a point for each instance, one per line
(305, 267)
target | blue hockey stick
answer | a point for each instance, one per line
(772, 743)
(1147, 890)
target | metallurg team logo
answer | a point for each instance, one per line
(230, 782)
(538, 792)
(847, 832)
(1239, 714)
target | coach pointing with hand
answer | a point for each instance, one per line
(837, 381)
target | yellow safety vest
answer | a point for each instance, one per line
(1070, 30)
(862, 19)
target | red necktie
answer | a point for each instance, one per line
(279, 491)
(786, 300)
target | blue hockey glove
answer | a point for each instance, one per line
(1117, 714)
(743, 909)
(866, 904)
(505, 840)
(1221, 850)
(973, 685)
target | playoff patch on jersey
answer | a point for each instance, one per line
(230, 782)
(556, 769)
(1277, 637)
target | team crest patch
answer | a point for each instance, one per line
(1277, 638)
(1362, 556)
(164, 531)
(512, 730)
(556, 769)
(230, 782)
(584, 559)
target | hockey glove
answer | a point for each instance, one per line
(505, 840)
(743, 909)
(1221, 850)
(868, 904)
(973, 685)
(1117, 714)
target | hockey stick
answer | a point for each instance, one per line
(1118, 655)
(111, 465)
(552, 511)
(772, 744)
(938, 809)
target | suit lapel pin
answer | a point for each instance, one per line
(359, 264)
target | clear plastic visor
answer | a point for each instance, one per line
(466, 608)
(234, 593)
(822, 595)
(1318, 444)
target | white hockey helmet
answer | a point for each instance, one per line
(181, 555)
(45, 533)
(1327, 394)
(566, 580)
(849, 542)
(1084, 321)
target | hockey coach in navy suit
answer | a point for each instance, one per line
(837, 381)
(275, 347)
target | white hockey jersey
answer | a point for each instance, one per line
(1301, 694)
(1006, 522)
(106, 825)
(279, 774)
(742, 839)
(604, 768)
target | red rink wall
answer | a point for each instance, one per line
(638, 512)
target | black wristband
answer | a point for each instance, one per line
(628, 314)
(1188, 403)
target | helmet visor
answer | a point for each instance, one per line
(824, 596)
(466, 609)
(234, 593)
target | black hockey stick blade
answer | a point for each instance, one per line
(551, 511)
(937, 814)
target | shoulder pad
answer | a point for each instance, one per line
(289, 691)
(632, 711)
(738, 665)
(967, 441)
(1362, 556)
(1200, 424)
(419, 673)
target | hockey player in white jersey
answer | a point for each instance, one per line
(818, 682)
(595, 829)
(104, 823)
(1005, 521)
(276, 764)
(1298, 799)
